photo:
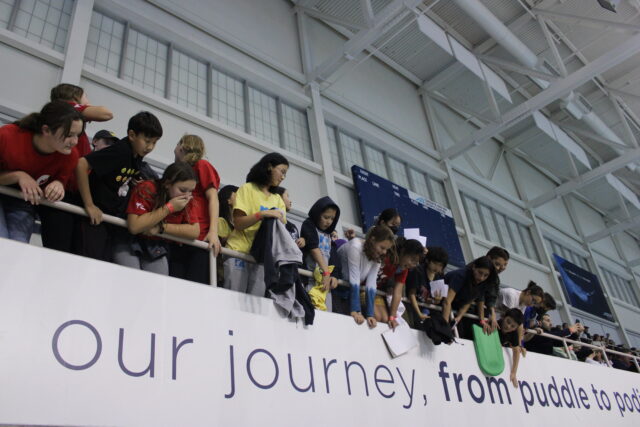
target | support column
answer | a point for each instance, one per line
(77, 41)
(319, 140)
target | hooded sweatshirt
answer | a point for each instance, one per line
(313, 236)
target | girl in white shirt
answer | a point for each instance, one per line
(360, 260)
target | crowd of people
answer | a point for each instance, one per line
(48, 156)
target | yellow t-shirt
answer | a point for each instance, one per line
(223, 228)
(250, 199)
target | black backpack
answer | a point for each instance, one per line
(437, 328)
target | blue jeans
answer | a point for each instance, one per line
(17, 219)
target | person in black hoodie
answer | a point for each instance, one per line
(316, 231)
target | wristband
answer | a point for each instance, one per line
(326, 273)
(392, 318)
(258, 216)
(170, 207)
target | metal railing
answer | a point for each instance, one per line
(234, 254)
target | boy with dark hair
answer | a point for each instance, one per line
(500, 259)
(105, 179)
(419, 280)
(509, 327)
(316, 231)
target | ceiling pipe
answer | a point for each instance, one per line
(510, 42)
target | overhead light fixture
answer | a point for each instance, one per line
(609, 4)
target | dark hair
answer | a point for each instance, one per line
(483, 262)
(260, 173)
(534, 289)
(145, 123)
(549, 301)
(175, 172)
(223, 203)
(437, 254)
(377, 233)
(404, 247)
(279, 191)
(498, 252)
(387, 215)
(515, 314)
(56, 115)
(67, 92)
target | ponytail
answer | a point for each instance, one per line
(534, 290)
(193, 147)
(55, 115)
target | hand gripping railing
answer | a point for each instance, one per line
(9, 191)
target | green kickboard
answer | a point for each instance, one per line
(488, 351)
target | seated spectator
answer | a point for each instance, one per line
(103, 139)
(156, 207)
(509, 326)
(419, 280)
(596, 358)
(467, 285)
(544, 345)
(255, 200)
(36, 155)
(359, 262)
(404, 255)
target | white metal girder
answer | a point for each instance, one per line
(554, 91)
(389, 16)
(586, 178)
(632, 222)
(588, 22)
(520, 69)
(330, 18)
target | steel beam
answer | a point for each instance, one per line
(556, 90)
(614, 229)
(520, 69)
(585, 21)
(587, 178)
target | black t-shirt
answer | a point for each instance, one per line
(461, 281)
(112, 171)
(509, 339)
(418, 281)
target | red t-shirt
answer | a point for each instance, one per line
(388, 271)
(17, 153)
(142, 200)
(207, 178)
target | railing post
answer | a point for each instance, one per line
(213, 270)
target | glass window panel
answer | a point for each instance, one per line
(296, 131)
(515, 236)
(227, 104)
(375, 160)
(529, 246)
(490, 226)
(501, 223)
(473, 215)
(398, 172)
(145, 63)
(419, 183)
(6, 6)
(44, 21)
(352, 152)
(333, 147)
(632, 292)
(439, 194)
(189, 82)
(264, 116)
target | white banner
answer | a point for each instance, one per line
(89, 343)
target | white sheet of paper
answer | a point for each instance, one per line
(422, 240)
(399, 341)
(411, 233)
(439, 286)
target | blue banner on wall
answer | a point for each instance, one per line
(435, 221)
(583, 289)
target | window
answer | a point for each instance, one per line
(296, 132)
(568, 254)
(145, 63)
(471, 207)
(264, 116)
(333, 147)
(189, 82)
(398, 172)
(44, 21)
(352, 152)
(104, 45)
(439, 194)
(375, 161)
(489, 224)
(620, 287)
(419, 183)
(527, 238)
(516, 238)
(227, 103)
(6, 6)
